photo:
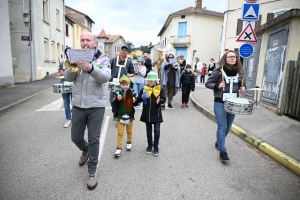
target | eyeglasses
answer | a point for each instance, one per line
(231, 56)
(170, 57)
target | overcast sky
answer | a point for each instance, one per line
(138, 23)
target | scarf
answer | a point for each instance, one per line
(155, 90)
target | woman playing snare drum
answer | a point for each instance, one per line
(229, 70)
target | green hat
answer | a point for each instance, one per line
(152, 76)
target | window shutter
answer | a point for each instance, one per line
(239, 26)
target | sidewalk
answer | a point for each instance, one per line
(277, 136)
(21, 92)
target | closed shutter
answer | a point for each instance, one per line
(239, 27)
(270, 16)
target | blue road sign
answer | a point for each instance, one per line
(246, 50)
(250, 11)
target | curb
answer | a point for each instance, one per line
(283, 159)
(14, 104)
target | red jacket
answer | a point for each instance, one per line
(203, 71)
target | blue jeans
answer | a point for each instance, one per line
(156, 133)
(137, 87)
(224, 121)
(67, 99)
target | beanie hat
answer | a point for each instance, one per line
(124, 78)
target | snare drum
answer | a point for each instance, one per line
(62, 87)
(239, 106)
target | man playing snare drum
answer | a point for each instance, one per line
(89, 101)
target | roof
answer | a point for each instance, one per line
(80, 13)
(102, 34)
(191, 10)
(112, 38)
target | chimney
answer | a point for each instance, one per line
(198, 4)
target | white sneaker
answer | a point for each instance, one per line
(128, 146)
(67, 124)
(118, 152)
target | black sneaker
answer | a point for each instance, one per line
(223, 157)
(216, 145)
(149, 150)
(170, 106)
(156, 151)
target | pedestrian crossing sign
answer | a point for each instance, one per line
(247, 35)
(250, 11)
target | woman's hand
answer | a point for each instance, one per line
(242, 89)
(222, 85)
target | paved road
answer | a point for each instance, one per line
(38, 160)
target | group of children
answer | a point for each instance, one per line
(152, 96)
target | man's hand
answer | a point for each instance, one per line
(84, 65)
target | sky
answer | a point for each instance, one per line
(138, 21)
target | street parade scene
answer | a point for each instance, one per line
(150, 100)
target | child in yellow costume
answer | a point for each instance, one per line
(152, 97)
(124, 102)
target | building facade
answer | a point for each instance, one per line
(110, 44)
(193, 32)
(277, 32)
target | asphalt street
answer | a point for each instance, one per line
(39, 161)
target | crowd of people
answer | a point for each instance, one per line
(139, 86)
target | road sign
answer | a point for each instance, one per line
(246, 50)
(250, 11)
(247, 35)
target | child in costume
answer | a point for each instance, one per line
(203, 72)
(124, 102)
(187, 84)
(152, 97)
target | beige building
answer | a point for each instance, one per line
(193, 32)
(277, 31)
(110, 44)
(82, 23)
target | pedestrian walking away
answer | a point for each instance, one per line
(117, 62)
(139, 77)
(187, 84)
(152, 97)
(170, 79)
(89, 101)
(231, 68)
(124, 102)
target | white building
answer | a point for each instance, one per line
(193, 32)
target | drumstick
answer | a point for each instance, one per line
(223, 77)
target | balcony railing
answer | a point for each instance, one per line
(182, 40)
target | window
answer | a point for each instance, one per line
(107, 48)
(57, 19)
(58, 51)
(46, 49)
(53, 50)
(182, 16)
(67, 30)
(45, 11)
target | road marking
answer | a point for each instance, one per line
(102, 138)
(54, 106)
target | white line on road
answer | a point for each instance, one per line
(102, 138)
